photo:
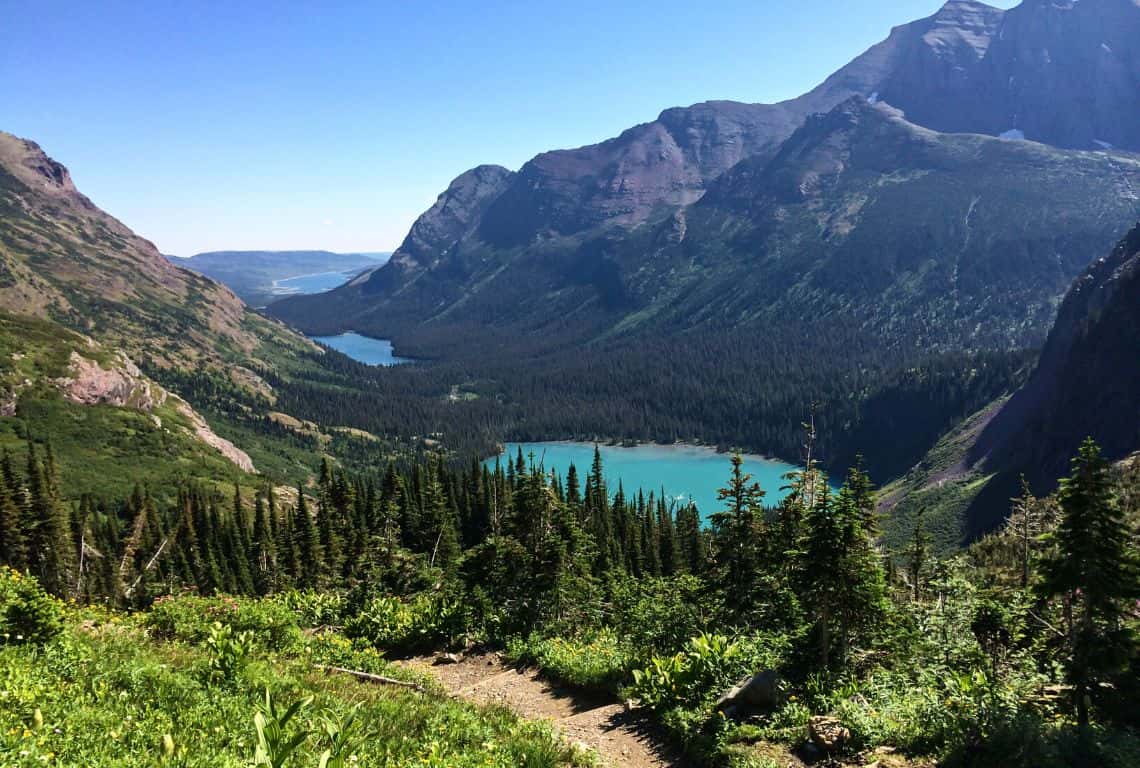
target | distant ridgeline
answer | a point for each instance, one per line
(260, 277)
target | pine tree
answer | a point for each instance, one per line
(691, 540)
(50, 551)
(307, 543)
(918, 555)
(1028, 520)
(262, 552)
(862, 593)
(1095, 573)
(739, 534)
(12, 525)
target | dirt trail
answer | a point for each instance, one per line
(620, 738)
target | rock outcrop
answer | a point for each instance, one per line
(123, 385)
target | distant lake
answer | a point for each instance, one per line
(315, 283)
(684, 471)
(363, 348)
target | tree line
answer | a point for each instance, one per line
(530, 548)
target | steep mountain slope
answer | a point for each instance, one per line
(100, 334)
(1086, 384)
(251, 274)
(1061, 73)
(63, 259)
(929, 240)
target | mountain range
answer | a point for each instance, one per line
(971, 69)
(890, 248)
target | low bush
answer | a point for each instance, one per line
(600, 661)
(27, 613)
(313, 609)
(405, 626)
(191, 619)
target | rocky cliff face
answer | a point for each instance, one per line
(1059, 72)
(1087, 382)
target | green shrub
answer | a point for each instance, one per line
(600, 661)
(191, 619)
(228, 651)
(27, 613)
(313, 609)
(409, 625)
(692, 678)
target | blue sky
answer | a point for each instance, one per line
(250, 125)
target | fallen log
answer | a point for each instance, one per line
(368, 676)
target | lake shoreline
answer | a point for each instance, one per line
(612, 443)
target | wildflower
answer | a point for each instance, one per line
(168, 745)
(37, 719)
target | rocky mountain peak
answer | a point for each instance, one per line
(26, 161)
(448, 220)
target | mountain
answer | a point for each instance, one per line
(253, 275)
(65, 260)
(102, 338)
(1061, 72)
(1085, 384)
(1065, 74)
(937, 241)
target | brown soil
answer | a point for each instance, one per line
(620, 738)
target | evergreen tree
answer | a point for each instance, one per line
(307, 542)
(50, 549)
(12, 525)
(1029, 519)
(918, 555)
(739, 533)
(1093, 570)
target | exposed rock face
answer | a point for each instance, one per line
(1061, 72)
(121, 386)
(663, 164)
(203, 432)
(455, 212)
(125, 386)
(1087, 382)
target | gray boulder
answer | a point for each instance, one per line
(760, 692)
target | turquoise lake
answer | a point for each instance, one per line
(316, 283)
(363, 348)
(684, 471)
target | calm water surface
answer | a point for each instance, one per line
(363, 348)
(316, 283)
(684, 471)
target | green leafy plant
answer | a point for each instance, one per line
(278, 735)
(228, 651)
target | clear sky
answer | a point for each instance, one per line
(257, 124)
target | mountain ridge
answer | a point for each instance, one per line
(945, 72)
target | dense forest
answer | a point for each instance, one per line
(719, 389)
(1022, 649)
